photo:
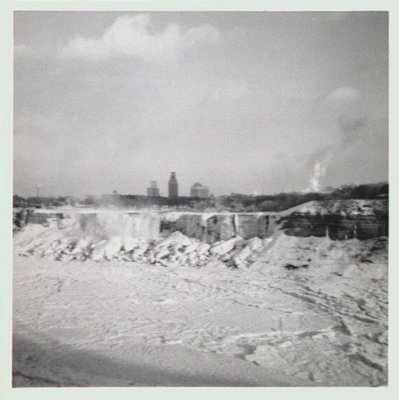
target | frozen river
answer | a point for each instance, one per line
(120, 323)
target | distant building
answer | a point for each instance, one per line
(153, 190)
(173, 186)
(198, 190)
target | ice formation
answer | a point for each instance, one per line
(175, 249)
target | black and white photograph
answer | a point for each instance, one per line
(200, 198)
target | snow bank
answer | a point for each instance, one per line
(339, 207)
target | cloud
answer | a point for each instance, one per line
(336, 17)
(28, 120)
(21, 50)
(344, 93)
(229, 91)
(349, 123)
(346, 106)
(130, 36)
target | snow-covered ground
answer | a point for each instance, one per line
(285, 311)
(347, 207)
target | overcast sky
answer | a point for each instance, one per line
(245, 102)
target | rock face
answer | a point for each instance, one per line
(338, 220)
(220, 227)
(246, 225)
(42, 219)
(212, 228)
(190, 225)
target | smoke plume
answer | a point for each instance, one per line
(319, 172)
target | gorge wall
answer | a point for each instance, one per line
(340, 220)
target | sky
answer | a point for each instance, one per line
(243, 102)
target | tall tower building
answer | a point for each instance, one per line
(153, 190)
(173, 185)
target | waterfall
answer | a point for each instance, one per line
(105, 225)
(146, 225)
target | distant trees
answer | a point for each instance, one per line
(369, 191)
(283, 201)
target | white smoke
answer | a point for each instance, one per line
(319, 172)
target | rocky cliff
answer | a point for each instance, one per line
(340, 220)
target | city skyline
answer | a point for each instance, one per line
(247, 102)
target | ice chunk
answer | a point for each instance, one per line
(254, 243)
(203, 248)
(80, 246)
(130, 243)
(112, 247)
(98, 251)
(240, 258)
(192, 247)
(222, 248)
(175, 237)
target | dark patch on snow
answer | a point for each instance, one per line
(292, 266)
